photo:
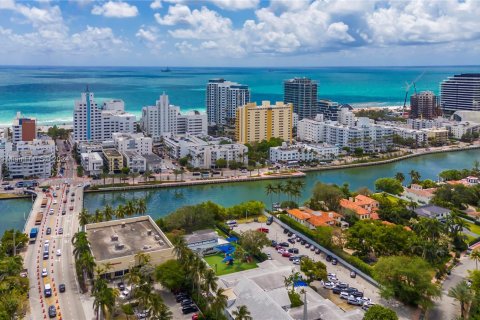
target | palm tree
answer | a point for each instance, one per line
(209, 281)
(475, 255)
(127, 308)
(104, 176)
(242, 313)
(80, 244)
(98, 216)
(133, 175)
(141, 206)
(414, 176)
(158, 309)
(104, 298)
(130, 209)
(400, 177)
(464, 295)
(279, 189)
(108, 213)
(146, 175)
(270, 190)
(133, 278)
(120, 212)
(289, 187)
(219, 302)
(83, 217)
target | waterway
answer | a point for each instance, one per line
(160, 202)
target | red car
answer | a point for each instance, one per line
(286, 254)
(263, 230)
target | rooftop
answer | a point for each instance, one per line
(201, 235)
(152, 158)
(111, 153)
(125, 237)
(431, 210)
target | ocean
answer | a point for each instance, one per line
(48, 93)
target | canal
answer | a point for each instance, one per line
(163, 201)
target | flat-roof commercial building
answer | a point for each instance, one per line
(460, 92)
(256, 123)
(114, 160)
(92, 162)
(117, 242)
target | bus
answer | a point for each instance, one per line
(39, 218)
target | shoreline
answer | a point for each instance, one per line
(300, 174)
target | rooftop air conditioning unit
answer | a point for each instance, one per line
(119, 246)
(149, 232)
(123, 224)
(146, 247)
(114, 237)
(157, 237)
(160, 242)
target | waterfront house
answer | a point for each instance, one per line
(417, 194)
(313, 219)
(365, 207)
(204, 241)
(433, 212)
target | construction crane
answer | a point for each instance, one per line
(407, 89)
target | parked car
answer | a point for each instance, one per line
(291, 240)
(269, 256)
(357, 294)
(367, 305)
(353, 274)
(289, 233)
(344, 295)
(334, 261)
(354, 301)
(328, 258)
(189, 309)
(274, 243)
(285, 231)
(61, 287)
(342, 285)
(265, 230)
(186, 302)
(307, 245)
(293, 250)
(121, 286)
(317, 251)
(296, 261)
(269, 220)
(286, 254)
(337, 290)
(312, 248)
(302, 242)
(284, 244)
(329, 285)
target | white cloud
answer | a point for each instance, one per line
(7, 4)
(112, 9)
(156, 4)
(195, 24)
(146, 34)
(237, 4)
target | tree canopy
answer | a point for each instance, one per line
(378, 312)
(389, 185)
(326, 196)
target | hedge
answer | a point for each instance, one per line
(353, 260)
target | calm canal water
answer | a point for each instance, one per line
(163, 201)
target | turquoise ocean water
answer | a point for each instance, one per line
(48, 92)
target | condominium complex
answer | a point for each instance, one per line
(424, 105)
(164, 119)
(256, 123)
(460, 92)
(24, 129)
(132, 142)
(303, 152)
(302, 94)
(29, 159)
(362, 133)
(203, 152)
(92, 163)
(92, 122)
(222, 100)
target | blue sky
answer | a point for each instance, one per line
(240, 32)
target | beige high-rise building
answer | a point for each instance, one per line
(256, 123)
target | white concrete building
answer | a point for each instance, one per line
(135, 142)
(459, 129)
(205, 156)
(135, 161)
(303, 152)
(222, 100)
(92, 163)
(30, 159)
(23, 128)
(364, 134)
(165, 119)
(420, 136)
(177, 146)
(86, 147)
(92, 122)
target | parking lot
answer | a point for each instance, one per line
(276, 233)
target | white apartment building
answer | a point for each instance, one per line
(30, 159)
(222, 100)
(178, 146)
(86, 147)
(134, 161)
(205, 156)
(92, 122)
(303, 152)
(135, 142)
(164, 119)
(92, 163)
(459, 129)
(363, 134)
(420, 136)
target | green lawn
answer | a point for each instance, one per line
(474, 228)
(221, 268)
(379, 196)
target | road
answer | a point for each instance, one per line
(61, 269)
(343, 273)
(447, 308)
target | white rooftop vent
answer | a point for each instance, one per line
(114, 237)
(157, 237)
(160, 242)
(119, 246)
(146, 247)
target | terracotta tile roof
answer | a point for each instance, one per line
(299, 214)
(321, 218)
(347, 204)
(362, 200)
(374, 215)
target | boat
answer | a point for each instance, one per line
(167, 69)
